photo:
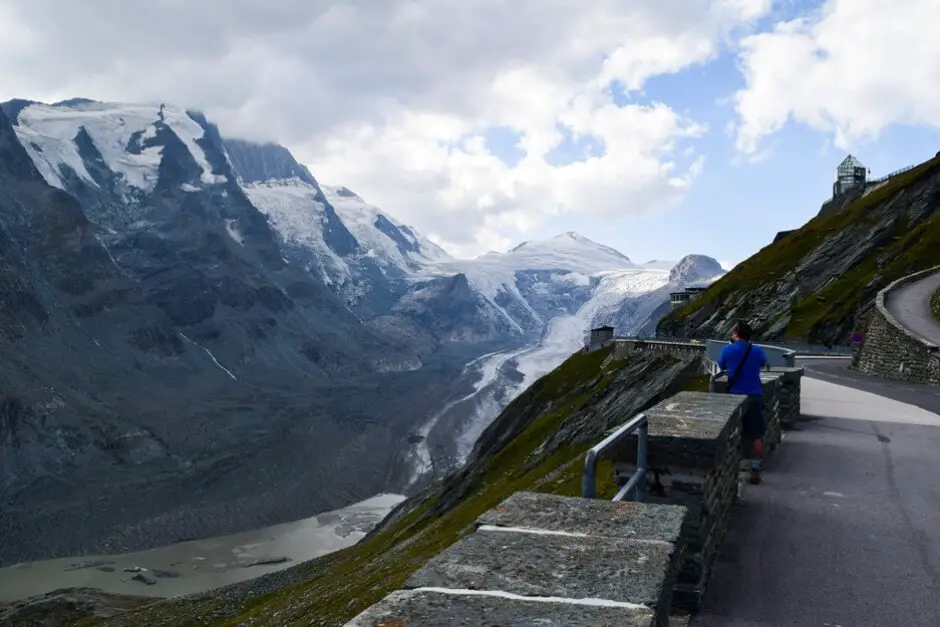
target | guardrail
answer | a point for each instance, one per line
(800, 348)
(776, 355)
(713, 378)
(892, 174)
(637, 482)
(816, 349)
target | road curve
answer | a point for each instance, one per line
(843, 530)
(910, 306)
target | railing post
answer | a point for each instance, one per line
(589, 475)
(641, 451)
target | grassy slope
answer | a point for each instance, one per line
(910, 250)
(935, 304)
(338, 586)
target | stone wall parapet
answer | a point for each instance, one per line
(681, 350)
(891, 350)
(546, 558)
(580, 562)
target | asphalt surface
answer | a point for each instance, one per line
(845, 529)
(910, 306)
(835, 370)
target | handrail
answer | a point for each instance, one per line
(713, 378)
(892, 174)
(720, 373)
(638, 481)
(711, 365)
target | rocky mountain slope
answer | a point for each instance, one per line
(818, 283)
(201, 338)
(537, 444)
(161, 356)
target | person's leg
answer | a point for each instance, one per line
(754, 429)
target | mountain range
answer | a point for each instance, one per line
(201, 338)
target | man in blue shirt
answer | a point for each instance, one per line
(744, 362)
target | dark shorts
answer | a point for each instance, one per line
(753, 425)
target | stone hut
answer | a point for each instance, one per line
(678, 299)
(600, 337)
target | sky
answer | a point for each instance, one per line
(659, 128)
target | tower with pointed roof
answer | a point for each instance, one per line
(849, 175)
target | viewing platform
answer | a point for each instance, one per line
(551, 560)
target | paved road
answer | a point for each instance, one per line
(836, 371)
(844, 529)
(910, 305)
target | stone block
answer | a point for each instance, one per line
(549, 565)
(690, 430)
(417, 608)
(589, 517)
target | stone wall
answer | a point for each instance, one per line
(935, 304)
(548, 560)
(696, 459)
(551, 560)
(889, 350)
(682, 350)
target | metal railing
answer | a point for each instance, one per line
(637, 482)
(892, 174)
(804, 349)
(715, 376)
(776, 355)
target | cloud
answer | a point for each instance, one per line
(850, 70)
(394, 99)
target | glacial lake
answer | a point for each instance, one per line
(201, 565)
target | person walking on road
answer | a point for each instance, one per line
(744, 361)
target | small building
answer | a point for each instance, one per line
(678, 299)
(849, 175)
(600, 337)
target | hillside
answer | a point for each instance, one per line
(818, 283)
(537, 443)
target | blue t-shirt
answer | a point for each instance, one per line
(748, 381)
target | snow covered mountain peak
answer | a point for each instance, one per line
(380, 233)
(105, 144)
(568, 251)
(695, 270)
(573, 235)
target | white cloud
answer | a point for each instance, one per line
(393, 98)
(851, 70)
